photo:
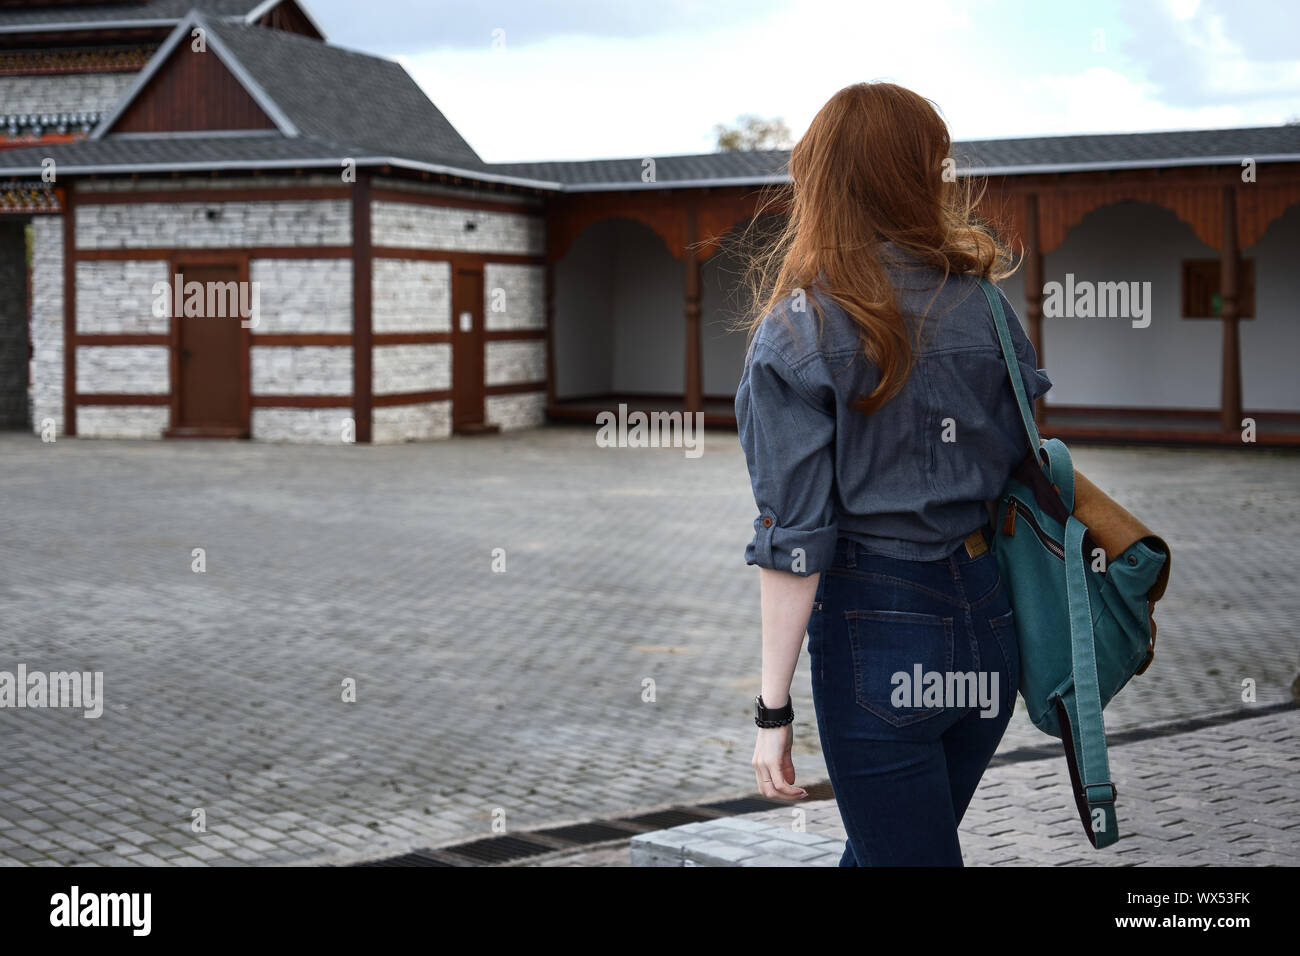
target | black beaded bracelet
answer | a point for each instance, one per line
(770, 717)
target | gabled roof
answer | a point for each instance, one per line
(42, 18)
(309, 88)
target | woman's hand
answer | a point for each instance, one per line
(773, 767)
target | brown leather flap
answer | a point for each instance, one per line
(1115, 529)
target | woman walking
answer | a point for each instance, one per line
(878, 423)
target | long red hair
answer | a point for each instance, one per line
(875, 166)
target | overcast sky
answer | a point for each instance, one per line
(589, 79)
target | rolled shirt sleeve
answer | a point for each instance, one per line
(787, 429)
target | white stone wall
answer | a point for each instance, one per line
(525, 410)
(398, 423)
(417, 226)
(411, 368)
(511, 362)
(122, 421)
(514, 296)
(324, 222)
(318, 426)
(410, 296)
(302, 295)
(117, 297)
(47, 322)
(301, 370)
(62, 93)
(123, 369)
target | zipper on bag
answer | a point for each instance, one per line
(1019, 508)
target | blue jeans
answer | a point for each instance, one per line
(906, 751)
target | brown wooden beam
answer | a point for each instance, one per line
(412, 398)
(215, 195)
(69, 310)
(119, 398)
(1034, 287)
(512, 335)
(303, 338)
(694, 373)
(458, 260)
(514, 388)
(410, 338)
(112, 338)
(302, 401)
(253, 252)
(362, 318)
(1229, 274)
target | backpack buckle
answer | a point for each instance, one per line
(1087, 793)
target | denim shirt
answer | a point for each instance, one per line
(910, 481)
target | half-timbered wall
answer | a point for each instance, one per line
(421, 234)
(300, 354)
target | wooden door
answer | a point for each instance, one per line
(467, 349)
(209, 360)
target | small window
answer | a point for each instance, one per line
(1201, 298)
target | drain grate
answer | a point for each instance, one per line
(416, 858)
(581, 834)
(744, 805)
(676, 817)
(499, 849)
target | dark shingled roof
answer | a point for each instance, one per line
(37, 15)
(986, 156)
(333, 93)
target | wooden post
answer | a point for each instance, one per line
(694, 374)
(70, 311)
(1229, 276)
(548, 293)
(1034, 287)
(362, 315)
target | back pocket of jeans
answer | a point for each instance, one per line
(893, 652)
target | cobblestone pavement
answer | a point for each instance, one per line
(522, 694)
(1225, 795)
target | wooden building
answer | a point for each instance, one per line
(396, 287)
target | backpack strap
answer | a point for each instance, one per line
(1093, 790)
(1084, 731)
(1013, 366)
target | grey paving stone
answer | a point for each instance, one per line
(223, 689)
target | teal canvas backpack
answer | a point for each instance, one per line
(1083, 622)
